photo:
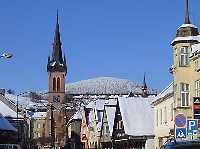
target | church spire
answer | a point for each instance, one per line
(144, 82)
(187, 18)
(57, 52)
(57, 62)
(144, 88)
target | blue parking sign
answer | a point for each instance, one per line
(192, 127)
(180, 132)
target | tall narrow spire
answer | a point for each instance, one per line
(187, 18)
(144, 82)
(144, 88)
(57, 62)
(57, 52)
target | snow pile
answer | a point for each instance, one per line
(102, 85)
(5, 125)
(137, 115)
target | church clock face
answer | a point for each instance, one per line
(56, 98)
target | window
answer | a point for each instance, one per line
(172, 111)
(184, 94)
(38, 125)
(197, 88)
(175, 95)
(54, 84)
(120, 125)
(161, 116)
(107, 129)
(156, 117)
(58, 84)
(165, 114)
(184, 56)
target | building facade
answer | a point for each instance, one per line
(185, 66)
(164, 116)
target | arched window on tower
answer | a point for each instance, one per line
(54, 84)
(58, 84)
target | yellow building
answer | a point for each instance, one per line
(163, 116)
(185, 66)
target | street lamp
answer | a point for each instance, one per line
(6, 55)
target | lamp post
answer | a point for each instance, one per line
(17, 119)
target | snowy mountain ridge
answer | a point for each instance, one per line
(102, 85)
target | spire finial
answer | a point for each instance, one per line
(187, 19)
(57, 17)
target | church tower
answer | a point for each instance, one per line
(57, 70)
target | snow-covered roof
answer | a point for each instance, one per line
(168, 90)
(188, 25)
(188, 38)
(137, 115)
(25, 102)
(99, 104)
(102, 85)
(6, 111)
(77, 115)
(195, 48)
(5, 125)
(110, 112)
(37, 114)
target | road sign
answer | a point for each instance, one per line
(196, 107)
(180, 120)
(192, 127)
(180, 132)
(196, 100)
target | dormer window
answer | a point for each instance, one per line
(184, 56)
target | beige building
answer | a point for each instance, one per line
(185, 67)
(37, 129)
(163, 116)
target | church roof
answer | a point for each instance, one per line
(56, 62)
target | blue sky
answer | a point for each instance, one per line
(115, 38)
